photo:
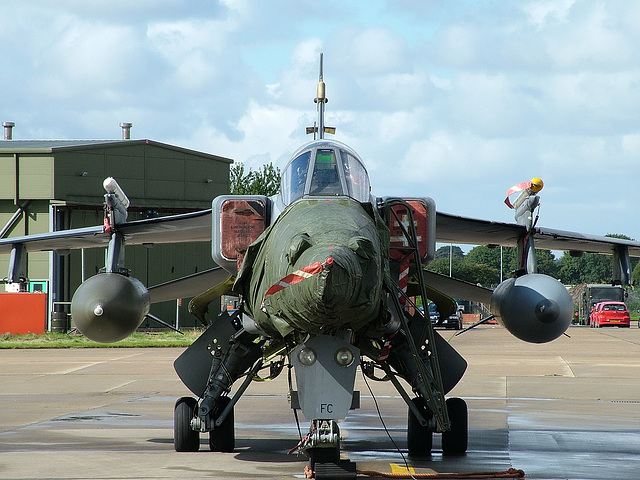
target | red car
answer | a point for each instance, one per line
(610, 314)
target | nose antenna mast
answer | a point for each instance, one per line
(320, 100)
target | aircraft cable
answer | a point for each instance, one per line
(511, 473)
(375, 401)
(295, 412)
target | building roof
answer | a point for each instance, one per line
(51, 146)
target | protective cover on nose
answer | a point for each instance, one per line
(313, 294)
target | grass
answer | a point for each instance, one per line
(64, 340)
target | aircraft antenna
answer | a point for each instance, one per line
(321, 99)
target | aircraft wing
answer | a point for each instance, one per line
(188, 227)
(456, 288)
(188, 286)
(458, 229)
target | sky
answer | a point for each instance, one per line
(457, 101)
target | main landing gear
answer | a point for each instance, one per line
(420, 437)
(429, 411)
(187, 439)
(231, 353)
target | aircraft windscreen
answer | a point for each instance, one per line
(325, 170)
(326, 179)
(356, 177)
(294, 178)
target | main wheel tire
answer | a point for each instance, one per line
(185, 439)
(223, 437)
(419, 437)
(454, 441)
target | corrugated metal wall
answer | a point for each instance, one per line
(158, 179)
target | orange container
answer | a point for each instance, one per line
(22, 313)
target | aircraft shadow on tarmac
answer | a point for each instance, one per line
(488, 450)
(269, 450)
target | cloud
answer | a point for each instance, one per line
(542, 13)
(458, 100)
(86, 59)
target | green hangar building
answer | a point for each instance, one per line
(51, 185)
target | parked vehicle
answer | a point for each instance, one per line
(452, 321)
(588, 295)
(610, 314)
(434, 315)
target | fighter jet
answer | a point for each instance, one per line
(328, 278)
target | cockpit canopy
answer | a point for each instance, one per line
(325, 168)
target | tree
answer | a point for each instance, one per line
(476, 273)
(490, 256)
(485, 255)
(590, 267)
(443, 252)
(635, 276)
(264, 181)
(547, 263)
(440, 265)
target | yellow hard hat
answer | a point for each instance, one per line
(536, 184)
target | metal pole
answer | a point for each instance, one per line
(84, 270)
(178, 313)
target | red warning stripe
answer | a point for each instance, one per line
(516, 188)
(297, 276)
(403, 279)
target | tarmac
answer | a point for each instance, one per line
(569, 409)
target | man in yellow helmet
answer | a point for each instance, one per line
(526, 202)
(524, 206)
